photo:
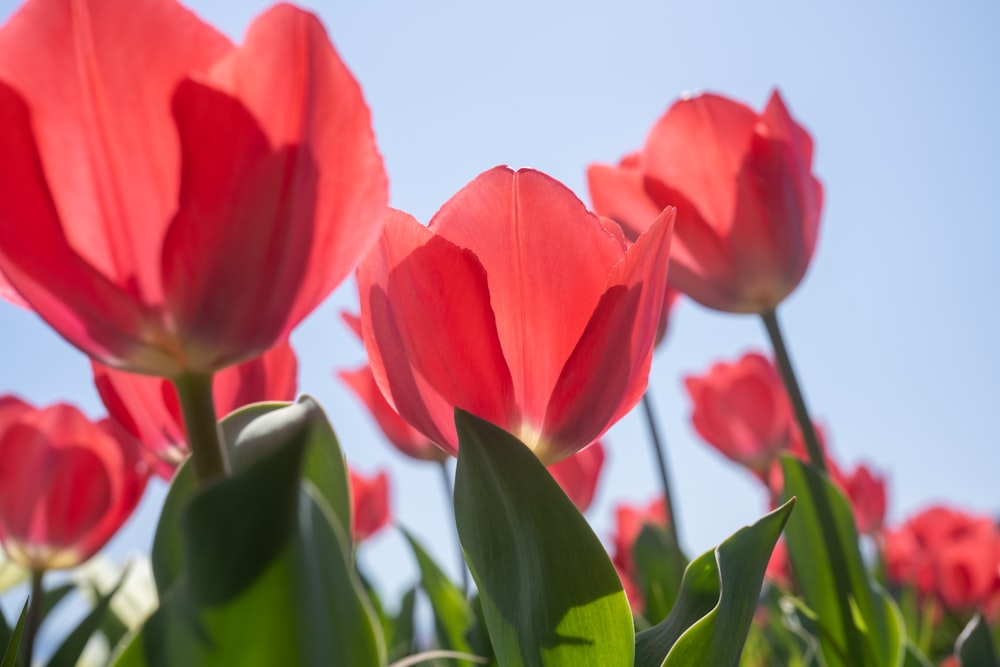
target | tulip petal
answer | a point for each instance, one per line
(418, 289)
(626, 317)
(237, 217)
(698, 147)
(403, 437)
(530, 232)
(620, 194)
(289, 76)
(37, 259)
(105, 134)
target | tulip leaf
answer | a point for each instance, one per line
(823, 548)
(711, 617)
(660, 565)
(14, 640)
(549, 592)
(69, 652)
(914, 658)
(452, 614)
(167, 556)
(400, 639)
(266, 576)
(975, 645)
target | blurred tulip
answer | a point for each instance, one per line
(148, 408)
(578, 474)
(748, 205)
(742, 410)
(518, 305)
(171, 203)
(400, 435)
(66, 484)
(369, 504)
(629, 521)
(866, 491)
(948, 554)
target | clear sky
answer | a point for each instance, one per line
(894, 328)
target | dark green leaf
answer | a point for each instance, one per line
(975, 645)
(452, 614)
(401, 638)
(550, 594)
(267, 575)
(14, 642)
(72, 647)
(258, 427)
(710, 619)
(660, 565)
(54, 596)
(823, 547)
(167, 557)
(914, 658)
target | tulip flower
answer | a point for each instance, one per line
(66, 484)
(629, 521)
(866, 491)
(171, 203)
(515, 304)
(369, 504)
(742, 410)
(949, 555)
(148, 407)
(748, 205)
(402, 436)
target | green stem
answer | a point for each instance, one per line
(449, 493)
(34, 619)
(208, 452)
(794, 392)
(661, 460)
(831, 540)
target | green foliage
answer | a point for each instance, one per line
(823, 548)
(259, 568)
(660, 565)
(549, 593)
(975, 645)
(717, 600)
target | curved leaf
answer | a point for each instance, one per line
(975, 645)
(266, 574)
(549, 592)
(660, 565)
(452, 614)
(711, 617)
(873, 616)
(14, 640)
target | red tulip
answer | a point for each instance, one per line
(629, 521)
(172, 203)
(866, 491)
(66, 484)
(400, 435)
(748, 205)
(578, 474)
(369, 504)
(947, 554)
(148, 408)
(742, 410)
(518, 305)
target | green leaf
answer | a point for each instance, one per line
(914, 658)
(401, 638)
(266, 573)
(870, 631)
(711, 617)
(452, 615)
(14, 642)
(975, 645)
(167, 557)
(72, 647)
(550, 595)
(255, 428)
(660, 565)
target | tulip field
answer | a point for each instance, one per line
(441, 335)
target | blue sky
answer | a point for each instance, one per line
(894, 328)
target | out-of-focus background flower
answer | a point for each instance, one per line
(893, 329)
